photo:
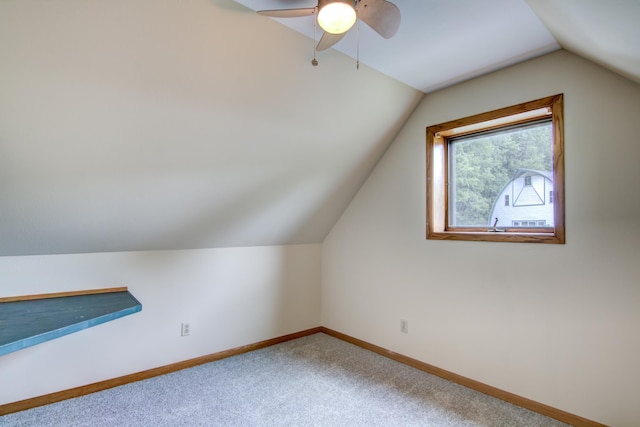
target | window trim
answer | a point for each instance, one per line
(437, 171)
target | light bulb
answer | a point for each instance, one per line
(336, 17)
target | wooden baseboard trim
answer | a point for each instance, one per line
(549, 411)
(138, 376)
(514, 399)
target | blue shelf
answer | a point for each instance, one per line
(30, 322)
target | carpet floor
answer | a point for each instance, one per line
(317, 380)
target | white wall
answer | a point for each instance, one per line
(566, 335)
(231, 297)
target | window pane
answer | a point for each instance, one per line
(489, 168)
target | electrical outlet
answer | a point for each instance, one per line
(185, 329)
(404, 326)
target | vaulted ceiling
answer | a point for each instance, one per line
(155, 124)
(441, 43)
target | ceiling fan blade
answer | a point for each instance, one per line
(382, 16)
(288, 13)
(327, 40)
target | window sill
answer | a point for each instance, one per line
(496, 236)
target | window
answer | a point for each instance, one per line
(515, 155)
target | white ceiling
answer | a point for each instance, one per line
(441, 43)
(606, 32)
(156, 124)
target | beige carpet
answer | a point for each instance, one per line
(312, 381)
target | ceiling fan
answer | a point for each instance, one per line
(336, 17)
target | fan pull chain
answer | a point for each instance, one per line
(357, 35)
(357, 44)
(314, 61)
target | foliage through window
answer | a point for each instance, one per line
(484, 166)
(488, 176)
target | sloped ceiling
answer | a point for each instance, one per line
(156, 124)
(439, 43)
(606, 32)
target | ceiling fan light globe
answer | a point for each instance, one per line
(336, 17)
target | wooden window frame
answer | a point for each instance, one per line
(437, 172)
